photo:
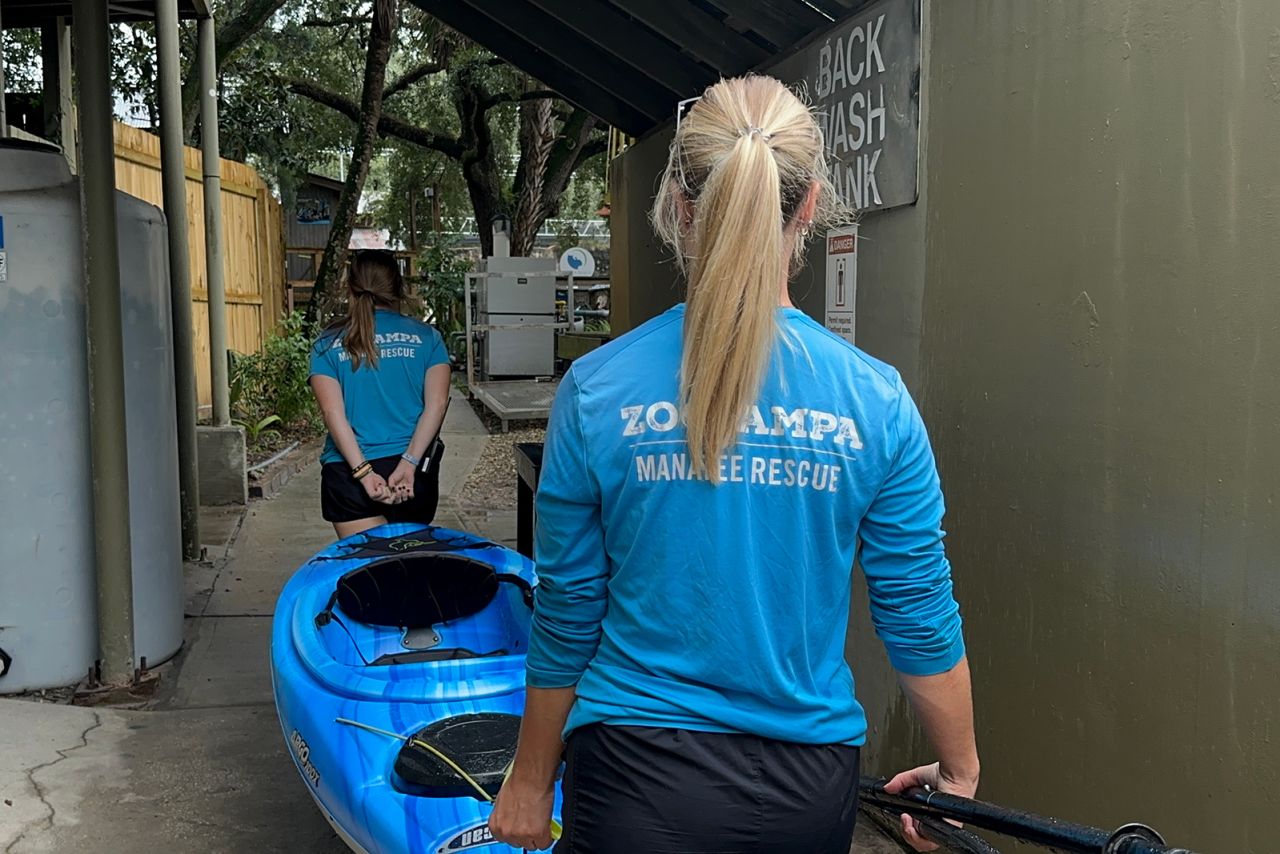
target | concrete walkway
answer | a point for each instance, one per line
(203, 768)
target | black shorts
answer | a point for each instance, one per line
(670, 791)
(343, 499)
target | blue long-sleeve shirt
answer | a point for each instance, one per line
(671, 601)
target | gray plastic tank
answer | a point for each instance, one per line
(48, 620)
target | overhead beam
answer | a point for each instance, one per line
(782, 22)
(835, 9)
(32, 14)
(702, 36)
(603, 25)
(581, 90)
(583, 58)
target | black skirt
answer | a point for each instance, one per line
(670, 791)
(343, 499)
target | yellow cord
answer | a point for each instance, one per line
(556, 829)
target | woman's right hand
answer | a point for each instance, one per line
(376, 488)
(938, 779)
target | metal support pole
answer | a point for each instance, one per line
(175, 208)
(108, 446)
(466, 314)
(211, 158)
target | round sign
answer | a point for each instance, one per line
(578, 261)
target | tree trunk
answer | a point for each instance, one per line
(344, 218)
(479, 165)
(485, 207)
(537, 135)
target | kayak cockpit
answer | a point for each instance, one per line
(437, 619)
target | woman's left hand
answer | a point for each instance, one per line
(401, 481)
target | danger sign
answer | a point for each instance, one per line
(842, 280)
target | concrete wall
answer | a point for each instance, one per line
(1085, 301)
(1098, 366)
(643, 279)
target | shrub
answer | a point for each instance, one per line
(274, 382)
(442, 274)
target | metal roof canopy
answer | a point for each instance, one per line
(629, 61)
(23, 14)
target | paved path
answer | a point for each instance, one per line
(203, 768)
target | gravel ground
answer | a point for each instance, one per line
(492, 484)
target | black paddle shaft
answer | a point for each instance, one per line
(1028, 827)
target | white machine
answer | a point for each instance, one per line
(517, 292)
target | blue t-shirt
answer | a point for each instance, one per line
(383, 403)
(669, 601)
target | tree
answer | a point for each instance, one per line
(238, 22)
(21, 52)
(381, 31)
(486, 97)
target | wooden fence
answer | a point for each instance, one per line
(252, 243)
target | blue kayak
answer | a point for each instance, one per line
(397, 660)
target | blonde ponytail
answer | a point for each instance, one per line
(729, 325)
(744, 161)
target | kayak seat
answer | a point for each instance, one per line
(481, 744)
(414, 591)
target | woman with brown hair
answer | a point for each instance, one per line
(707, 482)
(382, 381)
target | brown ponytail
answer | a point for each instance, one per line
(373, 282)
(745, 159)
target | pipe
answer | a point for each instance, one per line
(113, 561)
(175, 206)
(211, 157)
(1028, 827)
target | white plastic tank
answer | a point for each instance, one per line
(48, 620)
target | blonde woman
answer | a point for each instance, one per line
(706, 482)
